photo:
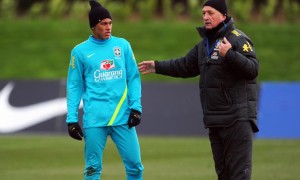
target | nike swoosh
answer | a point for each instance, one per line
(17, 118)
(90, 55)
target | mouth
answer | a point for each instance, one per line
(207, 24)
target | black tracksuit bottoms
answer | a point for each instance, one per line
(232, 151)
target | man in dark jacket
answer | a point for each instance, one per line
(226, 62)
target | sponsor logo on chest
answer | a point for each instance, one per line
(107, 65)
(215, 54)
(107, 71)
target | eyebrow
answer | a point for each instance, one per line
(105, 22)
(207, 10)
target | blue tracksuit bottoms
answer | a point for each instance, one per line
(127, 144)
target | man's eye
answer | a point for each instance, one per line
(106, 23)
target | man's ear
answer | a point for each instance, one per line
(224, 17)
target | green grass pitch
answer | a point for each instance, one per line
(29, 157)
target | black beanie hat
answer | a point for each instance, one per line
(97, 13)
(219, 5)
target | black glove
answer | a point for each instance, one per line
(134, 118)
(75, 131)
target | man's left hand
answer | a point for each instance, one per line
(75, 131)
(224, 46)
(134, 118)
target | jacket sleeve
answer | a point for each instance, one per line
(133, 80)
(74, 87)
(183, 67)
(242, 58)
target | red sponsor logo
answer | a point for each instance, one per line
(107, 65)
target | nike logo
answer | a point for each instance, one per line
(17, 118)
(90, 55)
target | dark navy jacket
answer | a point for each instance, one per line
(228, 87)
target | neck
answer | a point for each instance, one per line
(99, 38)
(99, 41)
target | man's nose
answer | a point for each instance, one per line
(205, 16)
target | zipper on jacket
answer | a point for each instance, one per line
(205, 86)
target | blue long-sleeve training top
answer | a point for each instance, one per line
(104, 74)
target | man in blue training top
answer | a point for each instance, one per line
(104, 74)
